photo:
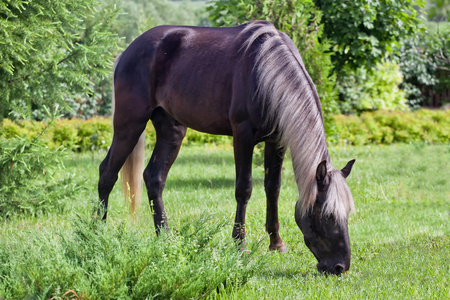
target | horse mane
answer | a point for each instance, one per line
(293, 109)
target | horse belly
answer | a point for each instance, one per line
(197, 107)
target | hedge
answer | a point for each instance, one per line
(385, 127)
(379, 127)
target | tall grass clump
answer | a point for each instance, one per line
(97, 260)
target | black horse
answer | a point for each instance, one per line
(248, 82)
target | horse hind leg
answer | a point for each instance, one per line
(130, 120)
(121, 148)
(169, 135)
(111, 165)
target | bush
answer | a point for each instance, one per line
(375, 90)
(28, 178)
(53, 52)
(94, 260)
(425, 63)
(95, 133)
(387, 127)
(362, 33)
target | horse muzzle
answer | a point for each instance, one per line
(333, 268)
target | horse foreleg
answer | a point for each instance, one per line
(273, 162)
(169, 135)
(243, 152)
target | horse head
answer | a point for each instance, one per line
(325, 225)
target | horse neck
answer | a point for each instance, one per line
(286, 90)
(299, 115)
(306, 140)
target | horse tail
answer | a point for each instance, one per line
(131, 175)
(132, 169)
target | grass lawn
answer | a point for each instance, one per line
(400, 233)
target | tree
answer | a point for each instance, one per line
(51, 51)
(439, 11)
(364, 32)
(425, 63)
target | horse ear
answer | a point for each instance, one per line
(321, 171)
(348, 168)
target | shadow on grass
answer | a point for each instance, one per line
(195, 183)
(213, 183)
(207, 158)
(290, 273)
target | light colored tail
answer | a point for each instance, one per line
(131, 172)
(131, 175)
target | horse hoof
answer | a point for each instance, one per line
(281, 248)
(246, 251)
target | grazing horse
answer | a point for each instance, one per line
(248, 82)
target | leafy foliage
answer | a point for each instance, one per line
(302, 22)
(365, 90)
(94, 134)
(425, 63)
(94, 260)
(439, 10)
(384, 127)
(362, 33)
(30, 179)
(52, 51)
(73, 134)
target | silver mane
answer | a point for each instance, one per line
(293, 107)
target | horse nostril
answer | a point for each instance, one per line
(338, 269)
(322, 268)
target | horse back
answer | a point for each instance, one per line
(193, 73)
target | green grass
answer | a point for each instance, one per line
(400, 234)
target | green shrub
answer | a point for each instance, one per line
(66, 135)
(92, 135)
(94, 260)
(28, 180)
(425, 62)
(95, 134)
(353, 131)
(387, 127)
(376, 90)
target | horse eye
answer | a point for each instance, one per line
(330, 218)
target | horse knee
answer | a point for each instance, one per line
(272, 193)
(154, 185)
(104, 164)
(106, 183)
(146, 175)
(243, 191)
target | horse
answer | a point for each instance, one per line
(248, 82)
